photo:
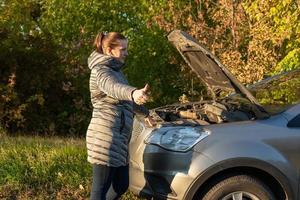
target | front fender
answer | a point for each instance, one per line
(235, 163)
(229, 154)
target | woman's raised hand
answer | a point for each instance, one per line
(141, 96)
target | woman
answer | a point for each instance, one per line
(114, 102)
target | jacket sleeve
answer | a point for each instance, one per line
(109, 83)
(140, 110)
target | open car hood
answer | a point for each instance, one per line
(208, 67)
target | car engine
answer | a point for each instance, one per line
(204, 112)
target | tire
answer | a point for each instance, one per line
(239, 187)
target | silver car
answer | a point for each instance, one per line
(243, 146)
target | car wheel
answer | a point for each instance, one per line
(239, 187)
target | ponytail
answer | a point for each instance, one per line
(98, 43)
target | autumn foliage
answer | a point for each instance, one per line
(44, 45)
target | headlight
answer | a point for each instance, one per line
(178, 138)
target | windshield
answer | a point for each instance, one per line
(279, 92)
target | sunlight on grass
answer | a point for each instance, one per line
(45, 168)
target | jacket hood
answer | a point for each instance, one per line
(208, 67)
(97, 58)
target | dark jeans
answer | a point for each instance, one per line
(109, 182)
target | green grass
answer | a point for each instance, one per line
(45, 168)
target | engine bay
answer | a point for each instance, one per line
(205, 112)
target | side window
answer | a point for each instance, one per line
(295, 122)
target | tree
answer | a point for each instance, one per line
(276, 24)
(53, 36)
(56, 37)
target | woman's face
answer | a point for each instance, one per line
(120, 52)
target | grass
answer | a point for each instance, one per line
(45, 168)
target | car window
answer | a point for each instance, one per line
(295, 122)
(278, 93)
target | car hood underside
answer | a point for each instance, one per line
(209, 69)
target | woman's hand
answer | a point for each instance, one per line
(140, 96)
(150, 121)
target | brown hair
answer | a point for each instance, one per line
(104, 40)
